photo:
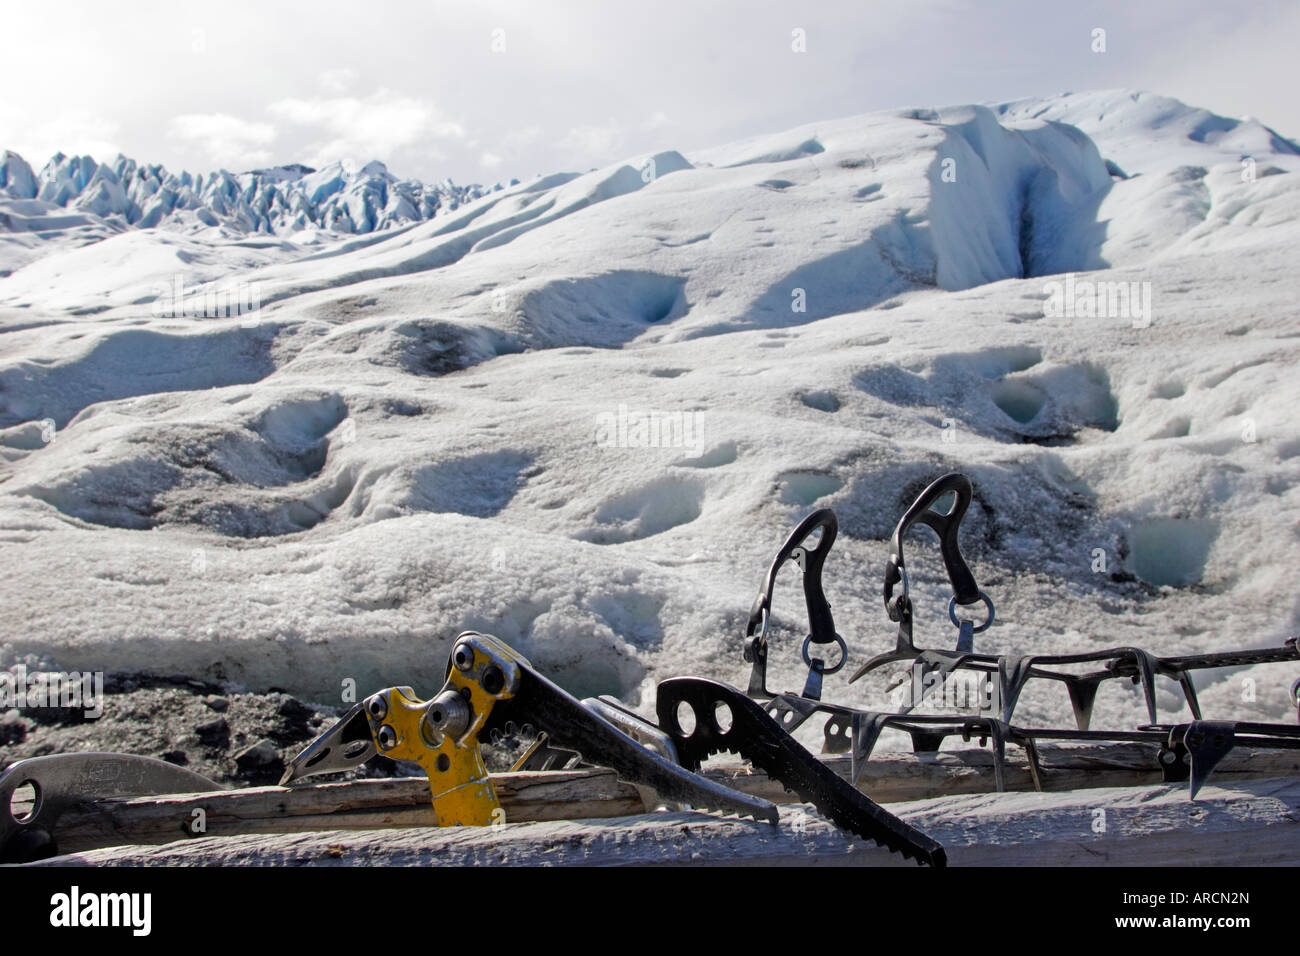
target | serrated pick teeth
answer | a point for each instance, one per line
(892, 842)
(738, 810)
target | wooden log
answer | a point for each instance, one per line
(597, 793)
(1248, 822)
(353, 805)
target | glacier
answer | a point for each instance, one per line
(411, 434)
(90, 200)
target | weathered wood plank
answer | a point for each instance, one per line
(360, 804)
(1246, 823)
(583, 794)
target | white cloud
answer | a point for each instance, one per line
(227, 140)
(490, 160)
(339, 80)
(718, 71)
(364, 128)
(74, 132)
(607, 141)
(519, 138)
(594, 143)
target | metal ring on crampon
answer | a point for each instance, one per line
(952, 613)
(844, 654)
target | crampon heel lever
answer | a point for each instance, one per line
(946, 524)
(821, 625)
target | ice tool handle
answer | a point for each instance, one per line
(810, 559)
(492, 691)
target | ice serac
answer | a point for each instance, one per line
(1023, 188)
(282, 200)
(103, 195)
(16, 178)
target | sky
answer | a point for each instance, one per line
(486, 90)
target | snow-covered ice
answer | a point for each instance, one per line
(581, 412)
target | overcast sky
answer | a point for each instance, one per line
(481, 90)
